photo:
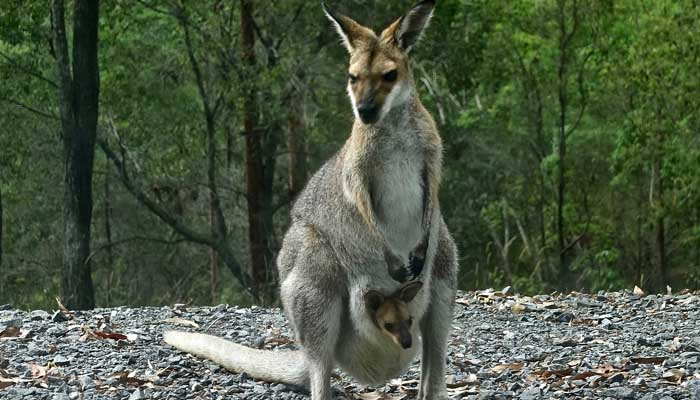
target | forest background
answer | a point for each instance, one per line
(151, 149)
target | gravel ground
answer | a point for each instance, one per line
(618, 345)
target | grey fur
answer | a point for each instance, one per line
(331, 257)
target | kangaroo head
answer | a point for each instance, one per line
(379, 77)
(391, 314)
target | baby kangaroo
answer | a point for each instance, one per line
(391, 315)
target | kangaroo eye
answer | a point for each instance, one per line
(389, 327)
(352, 79)
(410, 321)
(391, 76)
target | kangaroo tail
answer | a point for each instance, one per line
(287, 366)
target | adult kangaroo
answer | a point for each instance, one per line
(370, 213)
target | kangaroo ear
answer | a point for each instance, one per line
(373, 299)
(410, 291)
(350, 31)
(407, 30)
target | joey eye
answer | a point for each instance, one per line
(390, 76)
(389, 327)
(352, 78)
(410, 321)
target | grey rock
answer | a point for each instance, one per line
(531, 393)
(137, 395)
(620, 393)
(59, 316)
(38, 315)
(36, 350)
(86, 382)
(61, 360)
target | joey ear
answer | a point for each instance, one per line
(373, 299)
(407, 30)
(410, 291)
(350, 31)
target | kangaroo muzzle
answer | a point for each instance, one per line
(368, 111)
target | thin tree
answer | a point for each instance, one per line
(260, 256)
(1, 218)
(78, 93)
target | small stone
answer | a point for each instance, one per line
(486, 394)
(10, 323)
(648, 342)
(86, 382)
(61, 360)
(531, 393)
(137, 395)
(56, 331)
(694, 388)
(259, 342)
(60, 396)
(39, 315)
(279, 387)
(565, 317)
(670, 363)
(5, 307)
(617, 378)
(219, 308)
(620, 393)
(59, 316)
(36, 350)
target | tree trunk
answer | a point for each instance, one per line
(257, 239)
(296, 147)
(78, 99)
(213, 255)
(1, 219)
(108, 236)
(662, 279)
(562, 80)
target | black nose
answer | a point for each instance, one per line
(368, 112)
(406, 342)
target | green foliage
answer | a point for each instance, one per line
(490, 72)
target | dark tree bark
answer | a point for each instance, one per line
(1, 219)
(108, 235)
(662, 280)
(258, 241)
(213, 255)
(566, 37)
(296, 145)
(78, 102)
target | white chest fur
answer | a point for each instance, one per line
(398, 198)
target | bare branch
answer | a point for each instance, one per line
(15, 64)
(30, 108)
(63, 64)
(151, 204)
(115, 243)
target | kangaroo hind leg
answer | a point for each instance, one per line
(312, 295)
